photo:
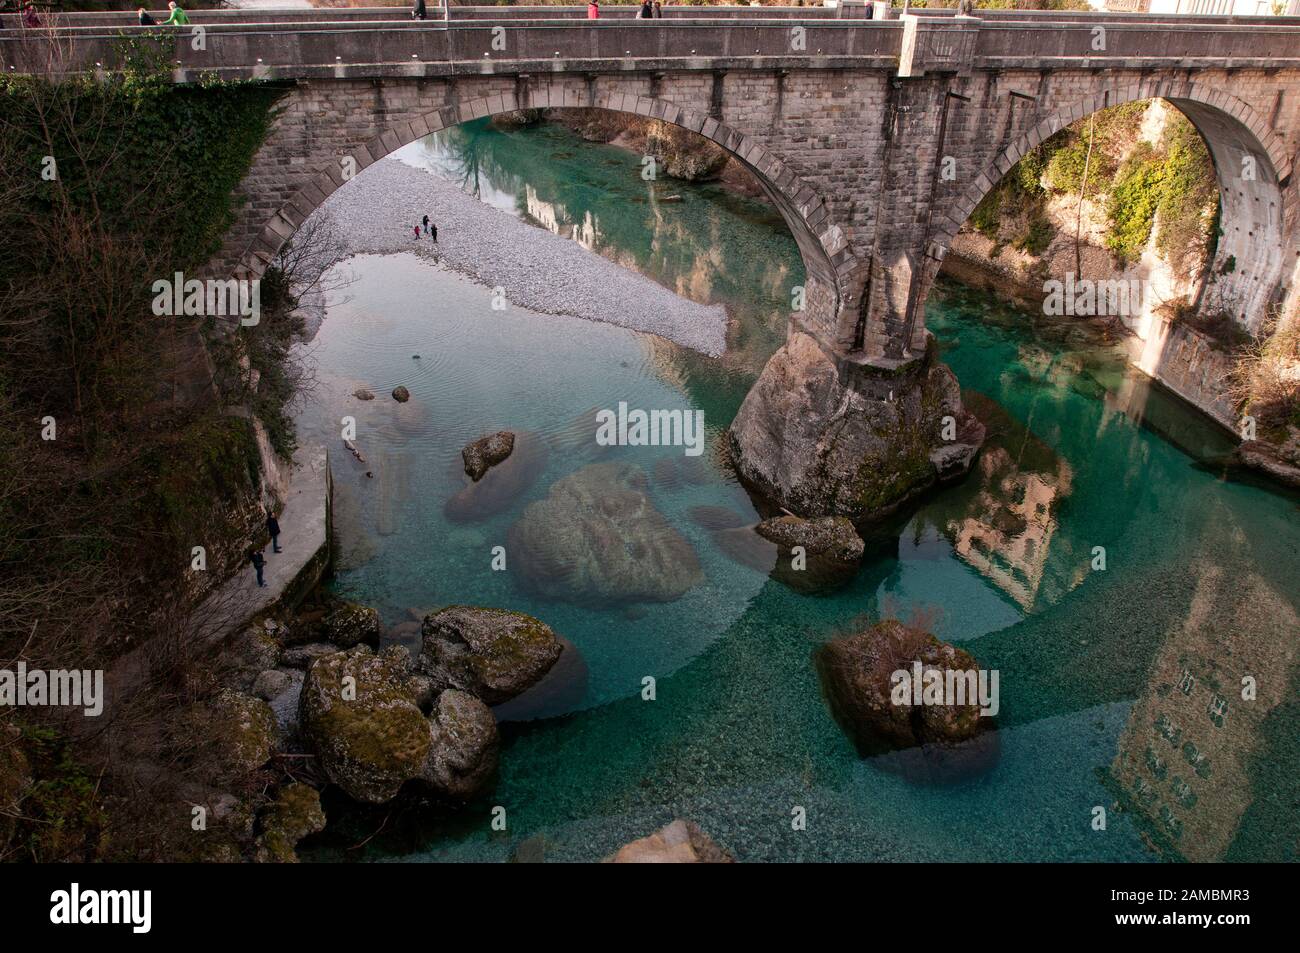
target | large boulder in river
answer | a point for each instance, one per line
(681, 842)
(597, 539)
(463, 755)
(486, 452)
(493, 654)
(503, 484)
(818, 444)
(358, 712)
(940, 739)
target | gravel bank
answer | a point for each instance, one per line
(538, 270)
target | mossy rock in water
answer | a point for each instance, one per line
(933, 742)
(493, 654)
(831, 551)
(368, 731)
(816, 444)
(295, 813)
(463, 756)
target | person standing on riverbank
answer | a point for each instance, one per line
(416, 229)
(273, 527)
(433, 232)
(178, 18)
(258, 561)
(426, 225)
(593, 10)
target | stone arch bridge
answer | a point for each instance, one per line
(875, 137)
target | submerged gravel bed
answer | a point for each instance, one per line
(538, 270)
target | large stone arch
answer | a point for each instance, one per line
(821, 242)
(1249, 261)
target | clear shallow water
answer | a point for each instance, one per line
(1099, 670)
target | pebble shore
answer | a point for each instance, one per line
(536, 269)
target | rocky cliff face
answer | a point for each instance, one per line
(817, 442)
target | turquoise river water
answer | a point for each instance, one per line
(1120, 688)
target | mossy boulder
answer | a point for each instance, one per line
(597, 539)
(681, 842)
(340, 622)
(814, 442)
(242, 730)
(941, 740)
(401, 394)
(358, 712)
(493, 654)
(295, 813)
(486, 452)
(463, 755)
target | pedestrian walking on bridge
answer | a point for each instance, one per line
(178, 18)
(593, 10)
(143, 16)
(418, 10)
(647, 11)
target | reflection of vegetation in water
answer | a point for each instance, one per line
(701, 241)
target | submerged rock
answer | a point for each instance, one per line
(806, 441)
(503, 484)
(716, 517)
(943, 741)
(598, 540)
(362, 393)
(493, 654)
(486, 452)
(681, 842)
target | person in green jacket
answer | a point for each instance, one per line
(178, 17)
